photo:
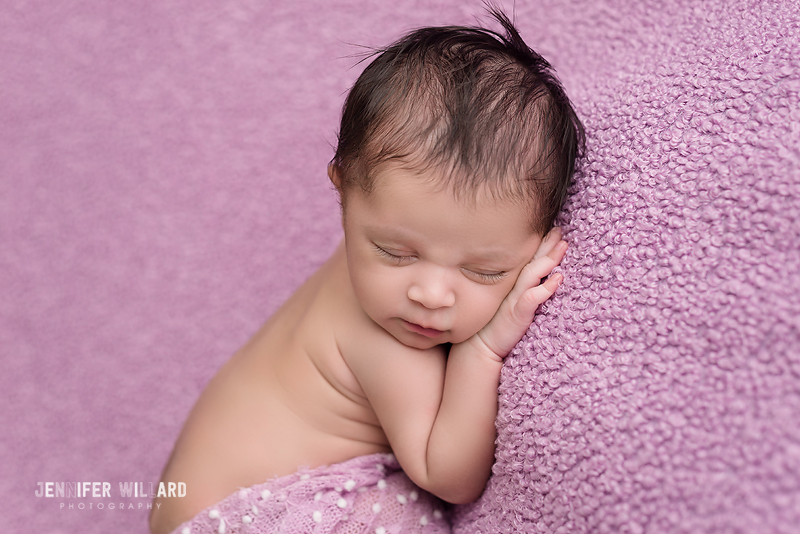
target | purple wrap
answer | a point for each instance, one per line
(364, 495)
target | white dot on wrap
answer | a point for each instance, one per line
(254, 510)
(437, 514)
(317, 517)
(423, 520)
(376, 508)
(243, 493)
(213, 514)
(413, 495)
(349, 485)
(401, 498)
(341, 503)
(380, 530)
(247, 520)
(318, 496)
(221, 529)
(186, 530)
(381, 484)
(265, 494)
(305, 476)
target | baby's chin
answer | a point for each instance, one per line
(420, 342)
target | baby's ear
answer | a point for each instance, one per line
(336, 179)
(335, 175)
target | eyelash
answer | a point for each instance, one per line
(485, 277)
(393, 257)
(493, 277)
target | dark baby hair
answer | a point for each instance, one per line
(475, 104)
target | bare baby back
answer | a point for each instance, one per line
(286, 399)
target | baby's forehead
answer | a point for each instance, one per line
(399, 193)
(468, 191)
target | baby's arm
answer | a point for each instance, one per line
(461, 448)
(440, 422)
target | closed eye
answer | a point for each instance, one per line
(394, 258)
(486, 278)
(478, 276)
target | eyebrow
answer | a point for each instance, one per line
(500, 256)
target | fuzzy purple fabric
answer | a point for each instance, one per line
(363, 495)
(163, 190)
(659, 391)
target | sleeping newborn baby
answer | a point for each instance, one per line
(374, 387)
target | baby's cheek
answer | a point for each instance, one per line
(368, 294)
(480, 311)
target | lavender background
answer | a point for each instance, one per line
(163, 190)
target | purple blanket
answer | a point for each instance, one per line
(363, 495)
(659, 391)
(163, 190)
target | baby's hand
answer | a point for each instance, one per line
(515, 314)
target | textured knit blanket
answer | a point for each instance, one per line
(659, 391)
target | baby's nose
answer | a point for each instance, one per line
(432, 292)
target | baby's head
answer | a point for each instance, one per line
(480, 108)
(455, 152)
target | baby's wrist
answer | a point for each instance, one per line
(483, 350)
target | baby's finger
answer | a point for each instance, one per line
(550, 240)
(539, 268)
(531, 299)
